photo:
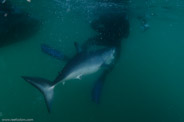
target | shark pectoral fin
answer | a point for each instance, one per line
(78, 48)
(97, 88)
(44, 86)
(79, 77)
(54, 53)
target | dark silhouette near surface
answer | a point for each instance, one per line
(15, 24)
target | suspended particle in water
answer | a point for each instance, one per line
(6, 14)
(3, 1)
(29, 1)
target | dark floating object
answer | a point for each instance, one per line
(15, 24)
(112, 28)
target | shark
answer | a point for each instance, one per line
(81, 64)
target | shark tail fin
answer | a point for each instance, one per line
(46, 87)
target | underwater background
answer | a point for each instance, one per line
(146, 85)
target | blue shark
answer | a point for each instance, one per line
(83, 63)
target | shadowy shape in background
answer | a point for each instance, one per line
(111, 28)
(15, 25)
(111, 25)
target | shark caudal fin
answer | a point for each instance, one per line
(44, 86)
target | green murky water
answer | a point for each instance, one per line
(146, 85)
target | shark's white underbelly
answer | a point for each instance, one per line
(85, 70)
